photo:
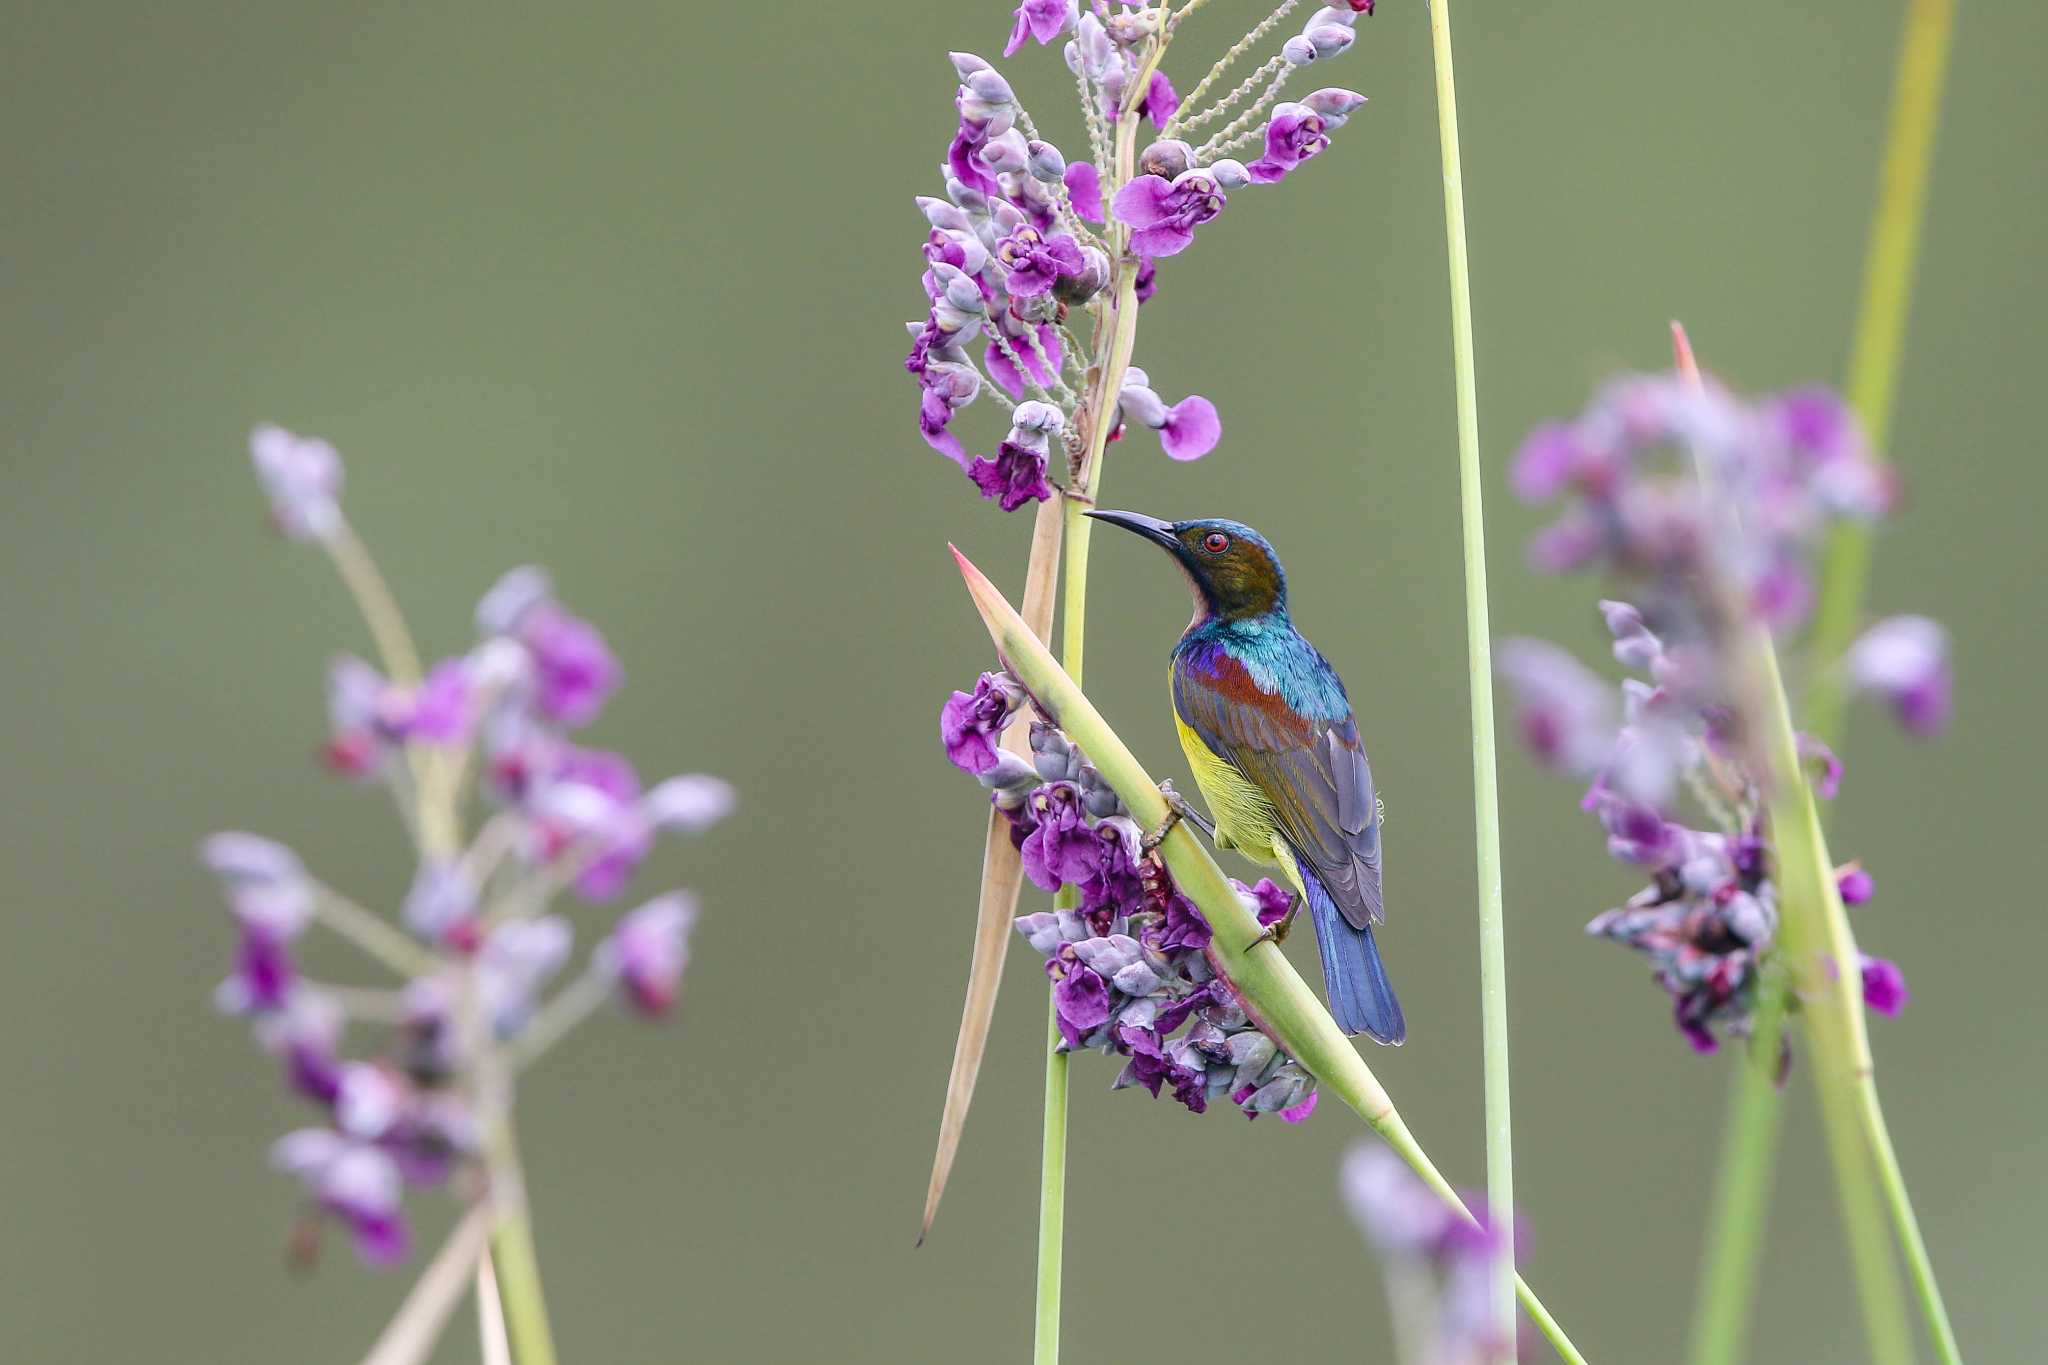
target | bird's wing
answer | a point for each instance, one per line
(1314, 773)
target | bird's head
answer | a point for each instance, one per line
(1232, 570)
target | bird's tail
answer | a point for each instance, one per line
(1361, 997)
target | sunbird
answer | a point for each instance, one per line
(1268, 731)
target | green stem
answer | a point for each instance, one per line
(1052, 1196)
(1742, 1190)
(1880, 1298)
(1880, 333)
(1871, 1114)
(1826, 968)
(512, 1253)
(1079, 496)
(1493, 976)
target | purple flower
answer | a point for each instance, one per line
(970, 724)
(1014, 477)
(1884, 986)
(272, 901)
(1334, 104)
(440, 710)
(1188, 430)
(944, 388)
(1043, 20)
(587, 807)
(1081, 1001)
(1565, 711)
(573, 667)
(1904, 660)
(302, 478)
(441, 906)
(305, 1036)
(1854, 884)
(1160, 101)
(1062, 848)
(1036, 262)
(1084, 188)
(1166, 213)
(1293, 135)
(689, 804)
(355, 1182)
(513, 963)
(1017, 337)
(648, 950)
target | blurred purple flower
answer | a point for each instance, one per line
(1904, 660)
(1884, 986)
(353, 1181)
(1565, 711)
(302, 478)
(1854, 884)
(573, 667)
(648, 950)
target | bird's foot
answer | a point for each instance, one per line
(1177, 810)
(1276, 932)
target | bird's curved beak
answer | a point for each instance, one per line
(1152, 528)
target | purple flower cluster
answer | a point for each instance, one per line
(1710, 509)
(1132, 969)
(1410, 1227)
(472, 948)
(1025, 241)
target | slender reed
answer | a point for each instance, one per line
(1728, 1276)
(1121, 326)
(1880, 343)
(1493, 976)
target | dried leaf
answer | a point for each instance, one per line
(1002, 877)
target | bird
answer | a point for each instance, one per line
(1269, 734)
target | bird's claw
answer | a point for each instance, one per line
(1276, 932)
(1176, 811)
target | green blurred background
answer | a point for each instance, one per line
(619, 289)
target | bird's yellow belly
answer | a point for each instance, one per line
(1243, 815)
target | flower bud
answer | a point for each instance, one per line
(958, 289)
(1334, 104)
(1229, 174)
(1328, 14)
(1298, 51)
(1006, 153)
(1040, 420)
(965, 64)
(1142, 405)
(1045, 163)
(1330, 39)
(1094, 276)
(1132, 27)
(944, 216)
(1166, 158)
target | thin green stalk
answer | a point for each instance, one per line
(512, 1252)
(1826, 964)
(1742, 1190)
(1880, 333)
(1493, 975)
(1078, 531)
(1871, 1114)
(1052, 1196)
(1880, 1298)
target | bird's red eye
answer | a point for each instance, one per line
(1215, 542)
